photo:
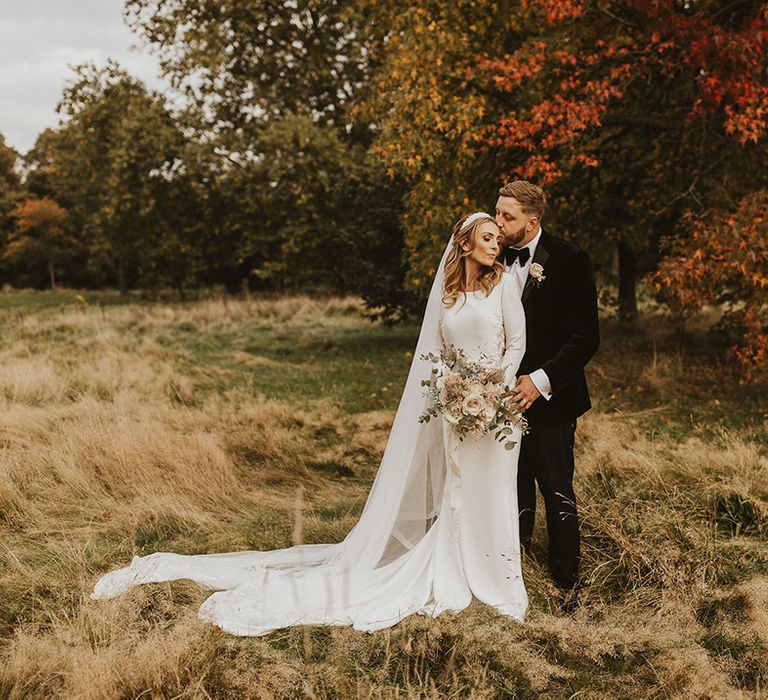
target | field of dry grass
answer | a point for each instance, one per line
(225, 425)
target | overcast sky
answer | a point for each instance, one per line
(40, 39)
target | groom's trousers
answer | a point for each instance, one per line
(546, 458)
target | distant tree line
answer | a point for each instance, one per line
(132, 194)
(330, 144)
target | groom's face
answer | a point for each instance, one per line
(517, 228)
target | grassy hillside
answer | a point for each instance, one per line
(224, 425)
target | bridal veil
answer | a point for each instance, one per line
(356, 581)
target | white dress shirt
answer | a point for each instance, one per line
(520, 272)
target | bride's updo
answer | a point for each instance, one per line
(464, 233)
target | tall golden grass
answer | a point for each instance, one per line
(109, 447)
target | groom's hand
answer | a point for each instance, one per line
(525, 393)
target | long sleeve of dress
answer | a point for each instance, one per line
(513, 317)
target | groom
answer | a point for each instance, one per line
(560, 302)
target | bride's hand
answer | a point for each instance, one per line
(511, 395)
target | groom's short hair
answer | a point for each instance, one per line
(531, 198)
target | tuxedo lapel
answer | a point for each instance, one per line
(540, 256)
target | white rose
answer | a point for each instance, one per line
(489, 410)
(453, 412)
(537, 272)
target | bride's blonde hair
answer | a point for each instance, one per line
(465, 232)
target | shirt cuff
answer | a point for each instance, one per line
(541, 382)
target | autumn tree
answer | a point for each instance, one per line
(628, 112)
(425, 112)
(639, 110)
(723, 261)
(38, 238)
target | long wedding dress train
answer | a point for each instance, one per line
(440, 524)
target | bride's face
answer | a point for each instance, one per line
(486, 244)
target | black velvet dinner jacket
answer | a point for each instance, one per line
(562, 332)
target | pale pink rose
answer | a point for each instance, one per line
(450, 387)
(452, 379)
(473, 402)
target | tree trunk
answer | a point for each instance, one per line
(52, 275)
(121, 276)
(627, 282)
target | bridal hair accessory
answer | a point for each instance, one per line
(474, 216)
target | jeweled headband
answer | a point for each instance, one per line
(475, 216)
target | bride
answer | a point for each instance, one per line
(440, 525)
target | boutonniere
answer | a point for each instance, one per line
(537, 273)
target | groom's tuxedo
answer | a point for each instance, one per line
(562, 334)
(562, 331)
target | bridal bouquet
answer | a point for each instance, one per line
(471, 396)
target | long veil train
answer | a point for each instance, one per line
(363, 580)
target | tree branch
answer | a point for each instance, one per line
(657, 123)
(616, 18)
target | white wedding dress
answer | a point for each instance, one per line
(440, 524)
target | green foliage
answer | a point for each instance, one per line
(39, 163)
(304, 205)
(330, 216)
(290, 196)
(10, 192)
(255, 62)
(271, 185)
(10, 181)
(115, 167)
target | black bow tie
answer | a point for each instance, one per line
(509, 255)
